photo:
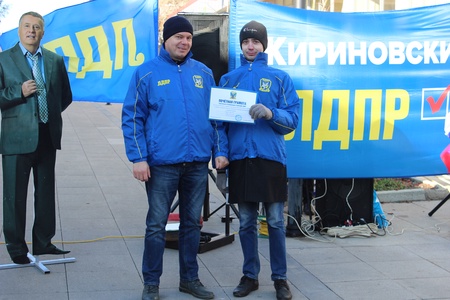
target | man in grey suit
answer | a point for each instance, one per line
(31, 103)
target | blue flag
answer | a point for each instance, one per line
(102, 41)
(374, 87)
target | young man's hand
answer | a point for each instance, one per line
(259, 111)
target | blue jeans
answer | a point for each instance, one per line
(190, 180)
(248, 234)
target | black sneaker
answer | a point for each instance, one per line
(246, 285)
(196, 289)
(282, 288)
(150, 292)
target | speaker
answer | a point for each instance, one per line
(344, 201)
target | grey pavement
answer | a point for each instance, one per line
(101, 214)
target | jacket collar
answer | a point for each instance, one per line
(260, 59)
(25, 51)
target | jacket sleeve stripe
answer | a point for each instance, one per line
(135, 113)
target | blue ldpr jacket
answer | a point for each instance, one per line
(265, 138)
(165, 112)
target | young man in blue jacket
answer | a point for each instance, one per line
(256, 154)
(169, 139)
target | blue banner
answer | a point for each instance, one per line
(103, 41)
(374, 87)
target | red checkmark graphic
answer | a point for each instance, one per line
(436, 106)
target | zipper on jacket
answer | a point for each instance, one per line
(189, 150)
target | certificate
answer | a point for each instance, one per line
(231, 105)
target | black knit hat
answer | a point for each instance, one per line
(254, 30)
(176, 24)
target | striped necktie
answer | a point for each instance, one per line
(41, 92)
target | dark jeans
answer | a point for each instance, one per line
(190, 181)
(248, 235)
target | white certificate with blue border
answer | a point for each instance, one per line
(231, 105)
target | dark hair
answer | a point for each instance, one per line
(33, 14)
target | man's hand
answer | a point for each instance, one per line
(221, 162)
(29, 87)
(141, 171)
(258, 111)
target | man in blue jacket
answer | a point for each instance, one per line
(169, 139)
(256, 154)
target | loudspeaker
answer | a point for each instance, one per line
(344, 201)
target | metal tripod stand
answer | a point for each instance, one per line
(215, 240)
(439, 205)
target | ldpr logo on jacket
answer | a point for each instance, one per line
(198, 81)
(264, 85)
(163, 82)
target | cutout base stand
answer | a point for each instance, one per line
(40, 264)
